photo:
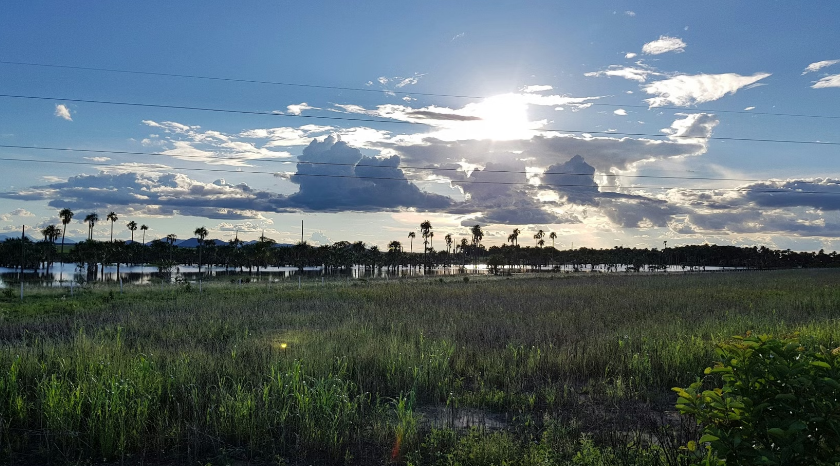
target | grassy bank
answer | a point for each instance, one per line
(557, 370)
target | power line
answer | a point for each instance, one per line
(338, 164)
(372, 120)
(237, 80)
(388, 178)
(383, 91)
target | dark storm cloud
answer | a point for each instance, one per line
(359, 183)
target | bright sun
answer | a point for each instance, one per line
(502, 117)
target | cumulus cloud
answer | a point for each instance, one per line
(629, 55)
(296, 109)
(334, 176)
(816, 66)
(620, 112)
(828, 81)
(97, 159)
(630, 13)
(62, 111)
(686, 90)
(696, 127)
(501, 194)
(663, 45)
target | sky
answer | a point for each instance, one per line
(608, 123)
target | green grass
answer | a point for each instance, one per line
(576, 369)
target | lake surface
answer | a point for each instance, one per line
(67, 274)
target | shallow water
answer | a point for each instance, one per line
(64, 274)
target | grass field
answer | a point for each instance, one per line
(529, 370)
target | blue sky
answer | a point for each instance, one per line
(650, 92)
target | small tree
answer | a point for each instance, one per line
(777, 404)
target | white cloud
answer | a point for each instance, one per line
(319, 238)
(640, 74)
(816, 66)
(537, 88)
(828, 81)
(62, 111)
(749, 108)
(630, 55)
(663, 45)
(21, 213)
(382, 80)
(97, 159)
(620, 112)
(409, 81)
(458, 36)
(630, 13)
(296, 109)
(688, 90)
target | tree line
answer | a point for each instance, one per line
(343, 255)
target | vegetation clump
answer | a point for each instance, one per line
(776, 404)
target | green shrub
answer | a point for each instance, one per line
(778, 404)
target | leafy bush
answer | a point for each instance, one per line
(778, 404)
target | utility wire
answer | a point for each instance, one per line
(361, 89)
(372, 120)
(389, 178)
(338, 164)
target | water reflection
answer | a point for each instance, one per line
(65, 274)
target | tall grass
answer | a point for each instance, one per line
(340, 372)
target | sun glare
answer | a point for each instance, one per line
(501, 117)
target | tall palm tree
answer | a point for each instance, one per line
(515, 235)
(143, 228)
(113, 218)
(448, 239)
(201, 233)
(91, 220)
(411, 236)
(65, 215)
(553, 237)
(132, 227)
(425, 228)
(477, 235)
(539, 236)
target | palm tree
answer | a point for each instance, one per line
(477, 235)
(553, 237)
(425, 228)
(91, 220)
(539, 236)
(132, 227)
(65, 215)
(201, 233)
(113, 218)
(411, 236)
(515, 235)
(143, 228)
(448, 239)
